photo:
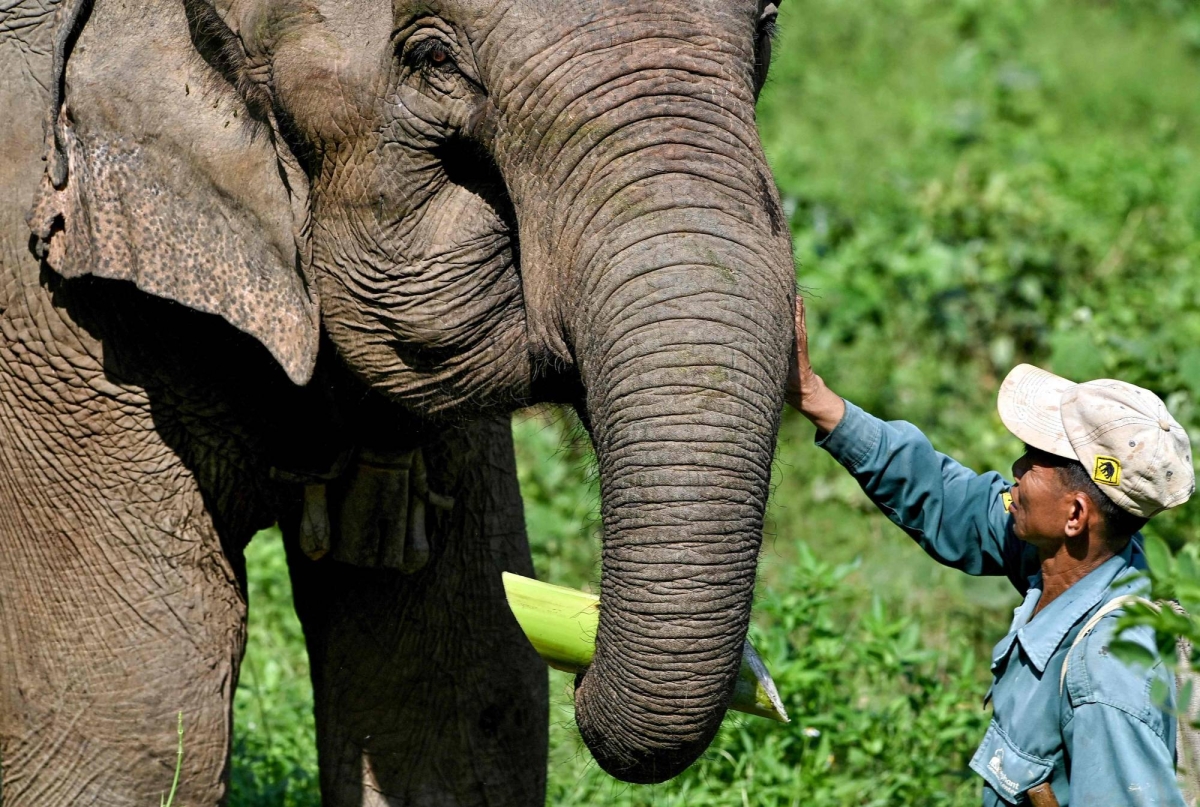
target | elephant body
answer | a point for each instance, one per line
(277, 261)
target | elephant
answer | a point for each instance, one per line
(298, 262)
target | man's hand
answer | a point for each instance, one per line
(801, 377)
(806, 391)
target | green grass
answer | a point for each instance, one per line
(274, 747)
(865, 687)
(168, 799)
(971, 183)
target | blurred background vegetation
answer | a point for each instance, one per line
(970, 184)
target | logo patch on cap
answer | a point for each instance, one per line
(1107, 471)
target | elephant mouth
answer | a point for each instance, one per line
(469, 165)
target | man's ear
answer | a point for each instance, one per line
(162, 172)
(1079, 513)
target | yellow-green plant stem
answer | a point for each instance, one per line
(561, 625)
(178, 767)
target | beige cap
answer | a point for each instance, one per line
(1123, 435)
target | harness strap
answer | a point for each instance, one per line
(1112, 605)
(1187, 738)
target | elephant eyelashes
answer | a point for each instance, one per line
(768, 24)
(768, 27)
(429, 54)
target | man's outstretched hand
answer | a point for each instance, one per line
(801, 377)
(806, 391)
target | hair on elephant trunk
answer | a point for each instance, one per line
(683, 394)
(647, 204)
(681, 541)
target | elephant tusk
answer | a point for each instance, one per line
(561, 625)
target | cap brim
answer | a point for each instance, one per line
(1030, 405)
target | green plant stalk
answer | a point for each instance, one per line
(166, 802)
(561, 625)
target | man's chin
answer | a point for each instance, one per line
(1041, 543)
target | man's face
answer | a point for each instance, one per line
(1041, 503)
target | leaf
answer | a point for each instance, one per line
(1160, 695)
(1186, 564)
(1132, 653)
(1158, 556)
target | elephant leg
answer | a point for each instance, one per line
(426, 693)
(105, 637)
(123, 508)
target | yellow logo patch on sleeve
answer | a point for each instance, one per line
(1107, 471)
(1006, 500)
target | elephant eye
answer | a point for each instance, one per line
(429, 54)
(768, 23)
(768, 27)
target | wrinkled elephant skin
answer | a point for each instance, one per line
(295, 262)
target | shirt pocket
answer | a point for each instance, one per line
(1010, 771)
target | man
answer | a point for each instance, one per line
(1100, 459)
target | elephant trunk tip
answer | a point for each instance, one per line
(639, 746)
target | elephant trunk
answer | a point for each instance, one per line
(681, 345)
(655, 258)
(680, 335)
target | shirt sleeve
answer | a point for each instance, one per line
(956, 515)
(1117, 759)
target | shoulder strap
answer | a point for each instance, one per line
(1114, 604)
(1187, 737)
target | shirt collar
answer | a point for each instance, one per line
(1041, 637)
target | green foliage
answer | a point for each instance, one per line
(556, 469)
(1172, 578)
(990, 183)
(274, 750)
(867, 698)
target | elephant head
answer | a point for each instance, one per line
(484, 204)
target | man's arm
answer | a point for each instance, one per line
(957, 516)
(1116, 759)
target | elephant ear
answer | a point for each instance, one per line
(160, 171)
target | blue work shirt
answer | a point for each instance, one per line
(1103, 740)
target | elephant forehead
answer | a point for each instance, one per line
(263, 24)
(332, 65)
(542, 29)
